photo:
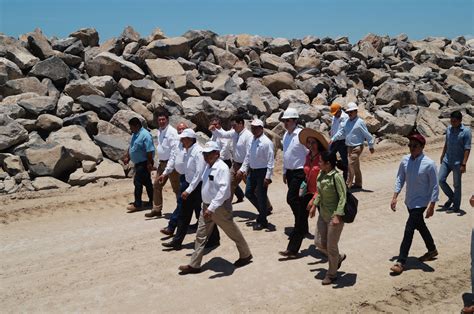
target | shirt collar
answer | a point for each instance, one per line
(417, 158)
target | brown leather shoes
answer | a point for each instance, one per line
(243, 261)
(153, 213)
(187, 269)
(288, 254)
(166, 231)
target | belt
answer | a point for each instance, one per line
(299, 169)
(163, 160)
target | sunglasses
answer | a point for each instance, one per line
(413, 145)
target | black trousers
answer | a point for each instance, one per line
(142, 178)
(294, 178)
(187, 208)
(301, 225)
(415, 221)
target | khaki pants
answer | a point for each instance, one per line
(329, 239)
(224, 219)
(158, 188)
(353, 155)
(234, 182)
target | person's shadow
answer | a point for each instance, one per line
(312, 251)
(413, 263)
(343, 279)
(247, 216)
(220, 266)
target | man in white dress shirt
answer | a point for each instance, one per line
(241, 139)
(294, 157)
(217, 209)
(258, 163)
(339, 118)
(355, 131)
(191, 197)
(224, 143)
(167, 141)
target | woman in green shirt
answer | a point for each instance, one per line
(330, 200)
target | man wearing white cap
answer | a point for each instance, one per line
(294, 157)
(217, 209)
(258, 163)
(191, 197)
(355, 131)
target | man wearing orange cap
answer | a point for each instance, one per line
(339, 118)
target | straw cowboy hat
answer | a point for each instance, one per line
(308, 132)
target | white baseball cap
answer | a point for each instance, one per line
(189, 133)
(210, 146)
(290, 113)
(257, 122)
(352, 106)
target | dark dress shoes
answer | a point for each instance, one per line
(288, 254)
(243, 261)
(172, 245)
(186, 269)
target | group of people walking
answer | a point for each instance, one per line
(206, 179)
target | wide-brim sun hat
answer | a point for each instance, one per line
(352, 106)
(189, 133)
(308, 132)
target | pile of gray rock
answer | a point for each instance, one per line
(65, 103)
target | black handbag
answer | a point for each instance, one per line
(350, 208)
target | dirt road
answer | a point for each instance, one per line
(79, 251)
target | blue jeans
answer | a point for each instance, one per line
(256, 193)
(183, 185)
(453, 197)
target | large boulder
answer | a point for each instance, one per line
(113, 147)
(50, 160)
(279, 46)
(107, 63)
(289, 96)
(39, 45)
(76, 140)
(279, 81)
(24, 85)
(273, 62)
(48, 122)
(224, 58)
(308, 59)
(9, 71)
(104, 107)
(64, 106)
(12, 110)
(39, 105)
(11, 164)
(15, 52)
(139, 107)
(427, 122)
(81, 87)
(462, 94)
(307, 112)
(390, 90)
(53, 68)
(106, 169)
(88, 36)
(161, 69)
(48, 183)
(106, 84)
(121, 118)
(144, 88)
(313, 86)
(170, 47)
(107, 128)
(88, 120)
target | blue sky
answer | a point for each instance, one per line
(277, 18)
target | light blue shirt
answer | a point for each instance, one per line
(421, 178)
(355, 131)
(140, 145)
(458, 140)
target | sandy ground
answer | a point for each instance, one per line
(80, 251)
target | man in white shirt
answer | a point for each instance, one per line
(224, 143)
(258, 163)
(294, 157)
(339, 118)
(217, 209)
(355, 131)
(167, 141)
(191, 197)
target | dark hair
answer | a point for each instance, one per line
(162, 113)
(217, 119)
(329, 157)
(238, 119)
(456, 115)
(135, 122)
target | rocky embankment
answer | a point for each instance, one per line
(65, 103)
